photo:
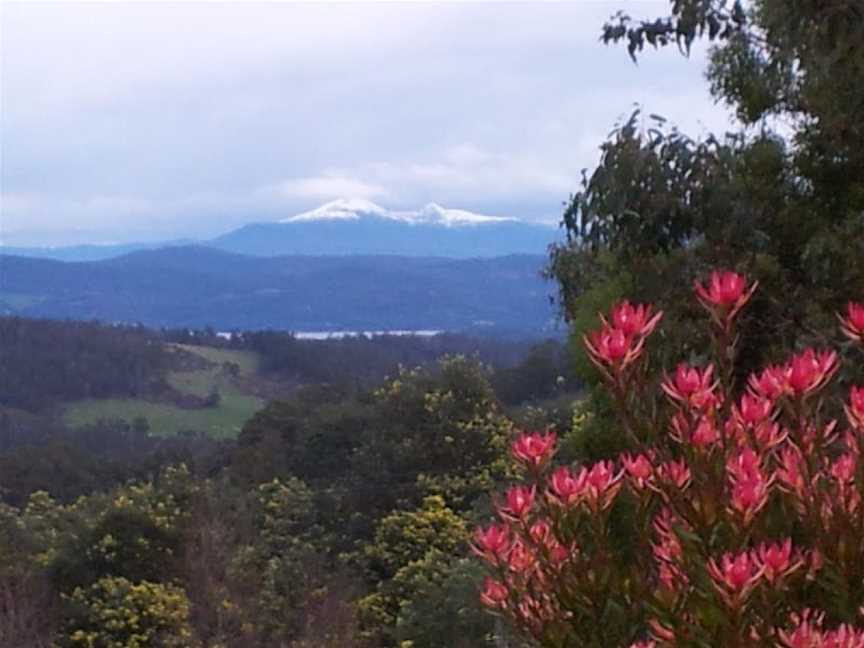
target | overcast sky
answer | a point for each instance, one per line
(147, 121)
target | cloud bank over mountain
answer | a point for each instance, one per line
(186, 120)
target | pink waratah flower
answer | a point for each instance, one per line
(519, 501)
(748, 485)
(855, 408)
(636, 319)
(644, 644)
(540, 532)
(853, 323)
(618, 344)
(705, 433)
(662, 632)
(769, 435)
(668, 551)
(521, 558)
(753, 409)
(807, 632)
(639, 469)
(770, 384)
(735, 577)
(724, 288)
(535, 449)
(844, 468)
(725, 295)
(790, 471)
(492, 543)
(565, 487)
(701, 433)
(558, 553)
(609, 345)
(691, 386)
(602, 483)
(495, 593)
(809, 370)
(776, 560)
(676, 473)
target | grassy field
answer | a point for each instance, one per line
(225, 420)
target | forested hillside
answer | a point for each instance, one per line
(301, 528)
(197, 287)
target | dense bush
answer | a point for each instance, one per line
(735, 519)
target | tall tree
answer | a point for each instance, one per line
(781, 199)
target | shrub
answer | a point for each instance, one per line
(735, 519)
(117, 613)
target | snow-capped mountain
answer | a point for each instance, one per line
(356, 226)
(357, 208)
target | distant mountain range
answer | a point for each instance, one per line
(189, 286)
(352, 226)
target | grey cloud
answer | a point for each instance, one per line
(160, 120)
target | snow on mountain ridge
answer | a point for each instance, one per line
(342, 209)
(356, 208)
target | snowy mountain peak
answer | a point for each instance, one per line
(435, 213)
(342, 209)
(430, 214)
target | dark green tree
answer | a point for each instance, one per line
(781, 199)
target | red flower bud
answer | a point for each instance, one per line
(724, 288)
(855, 408)
(748, 485)
(639, 469)
(691, 386)
(676, 473)
(853, 323)
(617, 345)
(565, 487)
(521, 558)
(535, 449)
(790, 472)
(601, 485)
(634, 320)
(809, 371)
(770, 384)
(734, 577)
(609, 345)
(844, 468)
(776, 560)
(492, 543)
(495, 593)
(519, 501)
(725, 295)
(753, 409)
(668, 551)
(540, 532)
(705, 433)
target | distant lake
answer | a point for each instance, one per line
(335, 335)
(338, 335)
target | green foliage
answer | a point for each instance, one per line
(43, 363)
(409, 554)
(443, 609)
(117, 613)
(407, 536)
(787, 206)
(271, 577)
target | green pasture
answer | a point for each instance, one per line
(165, 419)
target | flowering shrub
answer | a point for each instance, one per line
(735, 519)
